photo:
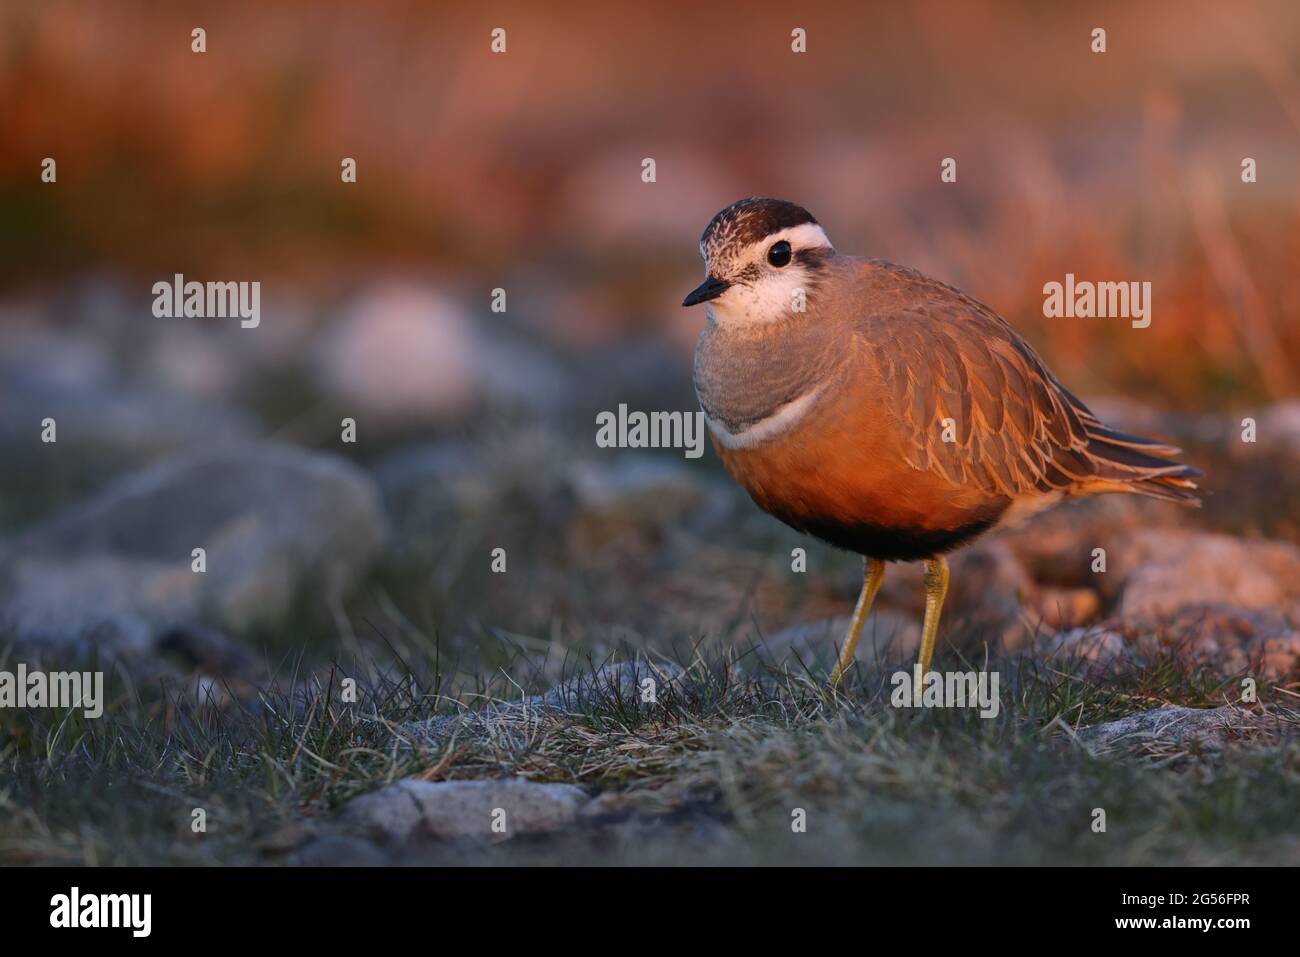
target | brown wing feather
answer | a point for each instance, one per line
(947, 357)
(943, 355)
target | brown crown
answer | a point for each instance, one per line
(749, 220)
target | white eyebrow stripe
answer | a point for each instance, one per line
(785, 418)
(803, 236)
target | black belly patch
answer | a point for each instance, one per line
(891, 544)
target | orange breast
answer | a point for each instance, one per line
(841, 465)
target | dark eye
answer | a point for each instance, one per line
(779, 254)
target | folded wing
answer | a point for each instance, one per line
(979, 406)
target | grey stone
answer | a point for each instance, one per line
(1158, 571)
(621, 682)
(1279, 426)
(402, 353)
(1056, 546)
(1231, 638)
(407, 353)
(515, 374)
(454, 809)
(987, 587)
(636, 483)
(1094, 645)
(509, 722)
(339, 850)
(433, 489)
(640, 496)
(102, 434)
(116, 570)
(1173, 728)
(76, 370)
(208, 650)
(887, 636)
(95, 412)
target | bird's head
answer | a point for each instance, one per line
(763, 258)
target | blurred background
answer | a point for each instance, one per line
(521, 171)
(474, 544)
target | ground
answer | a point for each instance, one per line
(626, 569)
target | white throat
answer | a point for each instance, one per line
(778, 293)
(771, 299)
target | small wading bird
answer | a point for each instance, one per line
(885, 412)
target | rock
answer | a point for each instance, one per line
(988, 566)
(514, 373)
(456, 809)
(1233, 639)
(116, 570)
(101, 434)
(193, 360)
(403, 353)
(1158, 571)
(208, 650)
(1094, 645)
(610, 805)
(60, 355)
(635, 483)
(288, 836)
(621, 682)
(1280, 655)
(432, 489)
(339, 850)
(1162, 731)
(505, 721)
(1056, 546)
(406, 354)
(72, 381)
(1059, 608)
(1279, 427)
(987, 586)
(642, 370)
(887, 636)
(987, 591)
(633, 493)
(76, 372)
(548, 484)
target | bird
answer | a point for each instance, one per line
(885, 412)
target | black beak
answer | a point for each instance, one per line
(709, 289)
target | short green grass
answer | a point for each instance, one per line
(712, 773)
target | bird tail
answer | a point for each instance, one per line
(1130, 463)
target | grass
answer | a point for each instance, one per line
(710, 774)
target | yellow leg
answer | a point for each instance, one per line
(936, 587)
(873, 573)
